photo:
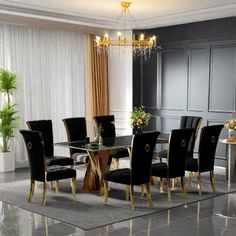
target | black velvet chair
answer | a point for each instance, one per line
(206, 155)
(76, 130)
(139, 174)
(45, 127)
(186, 122)
(38, 170)
(109, 131)
(175, 167)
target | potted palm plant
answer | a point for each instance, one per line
(8, 119)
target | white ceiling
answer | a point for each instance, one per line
(103, 13)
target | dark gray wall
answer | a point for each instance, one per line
(193, 74)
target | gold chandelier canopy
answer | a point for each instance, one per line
(140, 46)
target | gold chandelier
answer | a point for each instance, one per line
(140, 46)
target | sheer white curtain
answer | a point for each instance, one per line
(50, 64)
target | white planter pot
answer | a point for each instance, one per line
(7, 161)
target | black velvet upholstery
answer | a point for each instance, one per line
(46, 130)
(207, 147)
(187, 122)
(76, 131)
(38, 170)
(177, 153)
(140, 162)
(109, 131)
(107, 123)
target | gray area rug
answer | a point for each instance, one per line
(89, 212)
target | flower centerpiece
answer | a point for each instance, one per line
(139, 118)
(231, 126)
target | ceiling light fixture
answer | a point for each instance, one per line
(140, 46)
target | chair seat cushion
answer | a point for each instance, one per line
(80, 158)
(59, 160)
(59, 172)
(120, 153)
(159, 169)
(122, 176)
(191, 164)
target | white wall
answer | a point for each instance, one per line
(120, 86)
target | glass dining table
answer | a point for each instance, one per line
(99, 155)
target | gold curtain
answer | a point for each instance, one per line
(99, 79)
(97, 96)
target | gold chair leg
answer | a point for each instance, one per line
(57, 187)
(44, 193)
(149, 197)
(161, 185)
(32, 187)
(168, 190)
(173, 182)
(105, 192)
(212, 179)
(73, 187)
(116, 163)
(183, 186)
(190, 178)
(142, 190)
(127, 193)
(51, 185)
(154, 180)
(132, 196)
(199, 183)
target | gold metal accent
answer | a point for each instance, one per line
(32, 187)
(132, 196)
(161, 185)
(127, 193)
(116, 163)
(44, 193)
(183, 186)
(199, 183)
(147, 148)
(94, 176)
(57, 187)
(212, 179)
(149, 197)
(168, 190)
(142, 190)
(73, 187)
(139, 45)
(190, 178)
(105, 192)
(51, 185)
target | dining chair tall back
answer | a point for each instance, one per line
(187, 122)
(191, 122)
(46, 129)
(141, 155)
(76, 130)
(206, 155)
(207, 147)
(38, 170)
(109, 131)
(176, 156)
(107, 124)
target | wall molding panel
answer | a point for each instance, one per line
(195, 76)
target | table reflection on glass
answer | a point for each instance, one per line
(99, 155)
